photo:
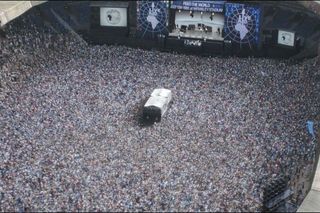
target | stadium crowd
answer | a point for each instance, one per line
(314, 6)
(71, 140)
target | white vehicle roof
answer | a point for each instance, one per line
(165, 93)
(160, 98)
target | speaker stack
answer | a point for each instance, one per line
(227, 47)
(161, 41)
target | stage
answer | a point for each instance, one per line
(215, 36)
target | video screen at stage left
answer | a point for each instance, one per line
(152, 19)
(197, 19)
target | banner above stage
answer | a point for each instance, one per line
(209, 5)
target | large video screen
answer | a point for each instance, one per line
(152, 18)
(242, 23)
(113, 17)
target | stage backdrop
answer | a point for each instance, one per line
(152, 18)
(242, 23)
(204, 5)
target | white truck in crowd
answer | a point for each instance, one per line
(157, 105)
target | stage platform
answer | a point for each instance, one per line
(214, 36)
(10, 10)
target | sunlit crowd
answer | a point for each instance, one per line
(70, 137)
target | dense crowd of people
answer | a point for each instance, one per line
(314, 6)
(71, 140)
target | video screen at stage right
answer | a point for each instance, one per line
(242, 24)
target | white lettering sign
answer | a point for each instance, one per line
(196, 43)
